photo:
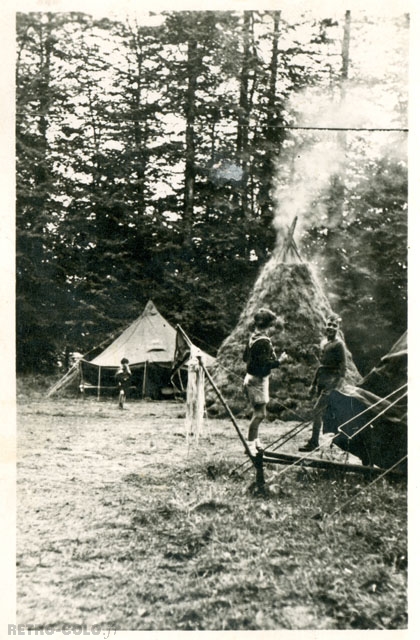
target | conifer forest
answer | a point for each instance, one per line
(179, 170)
(165, 156)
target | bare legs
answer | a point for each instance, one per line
(319, 409)
(257, 417)
(121, 399)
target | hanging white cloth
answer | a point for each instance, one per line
(194, 417)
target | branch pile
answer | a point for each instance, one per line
(293, 292)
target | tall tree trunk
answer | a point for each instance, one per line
(96, 186)
(41, 172)
(336, 210)
(36, 282)
(274, 134)
(192, 69)
(242, 151)
(139, 136)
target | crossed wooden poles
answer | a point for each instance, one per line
(273, 457)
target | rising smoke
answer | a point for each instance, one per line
(306, 184)
(313, 158)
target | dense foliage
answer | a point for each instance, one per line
(153, 155)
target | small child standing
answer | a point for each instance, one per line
(123, 378)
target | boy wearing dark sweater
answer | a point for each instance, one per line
(329, 375)
(260, 359)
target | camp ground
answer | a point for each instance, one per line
(150, 346)
(210, 340)
(151, 519)
(160, 516)
(368, 420)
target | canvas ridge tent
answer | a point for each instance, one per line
(149, 344)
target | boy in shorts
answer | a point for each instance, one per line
(123, 379)
(260, 358)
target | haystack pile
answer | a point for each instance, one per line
(293, 292)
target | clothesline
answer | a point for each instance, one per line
(265, 126)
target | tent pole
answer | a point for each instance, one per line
(58, 385)
(144, 379)
(230, 414)
(99, 383)
(81, 381)
(181, 384)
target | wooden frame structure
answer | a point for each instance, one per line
(265, 456)
(289, 247)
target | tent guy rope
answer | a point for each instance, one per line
(382, 475)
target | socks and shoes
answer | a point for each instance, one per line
(255, 446)
(309, 446)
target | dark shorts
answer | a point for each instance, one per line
(326, 382)
(123, 383)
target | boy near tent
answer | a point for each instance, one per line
(123, 378)
(260, 358)
(329, 375)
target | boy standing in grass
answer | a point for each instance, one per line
(260, 358)
(123, 379)
(329, 375)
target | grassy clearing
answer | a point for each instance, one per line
(122, 524)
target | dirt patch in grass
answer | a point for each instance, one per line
(125, 523)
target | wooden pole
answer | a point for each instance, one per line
(272, 457)
(99, 383)
(58, 385)
(195, 397)
(289, 244)
(184, 335)
(81, 379)
(259, 465)
(231, 416)
(143, 393)
(181, 384)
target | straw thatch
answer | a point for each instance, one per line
(293, 292)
